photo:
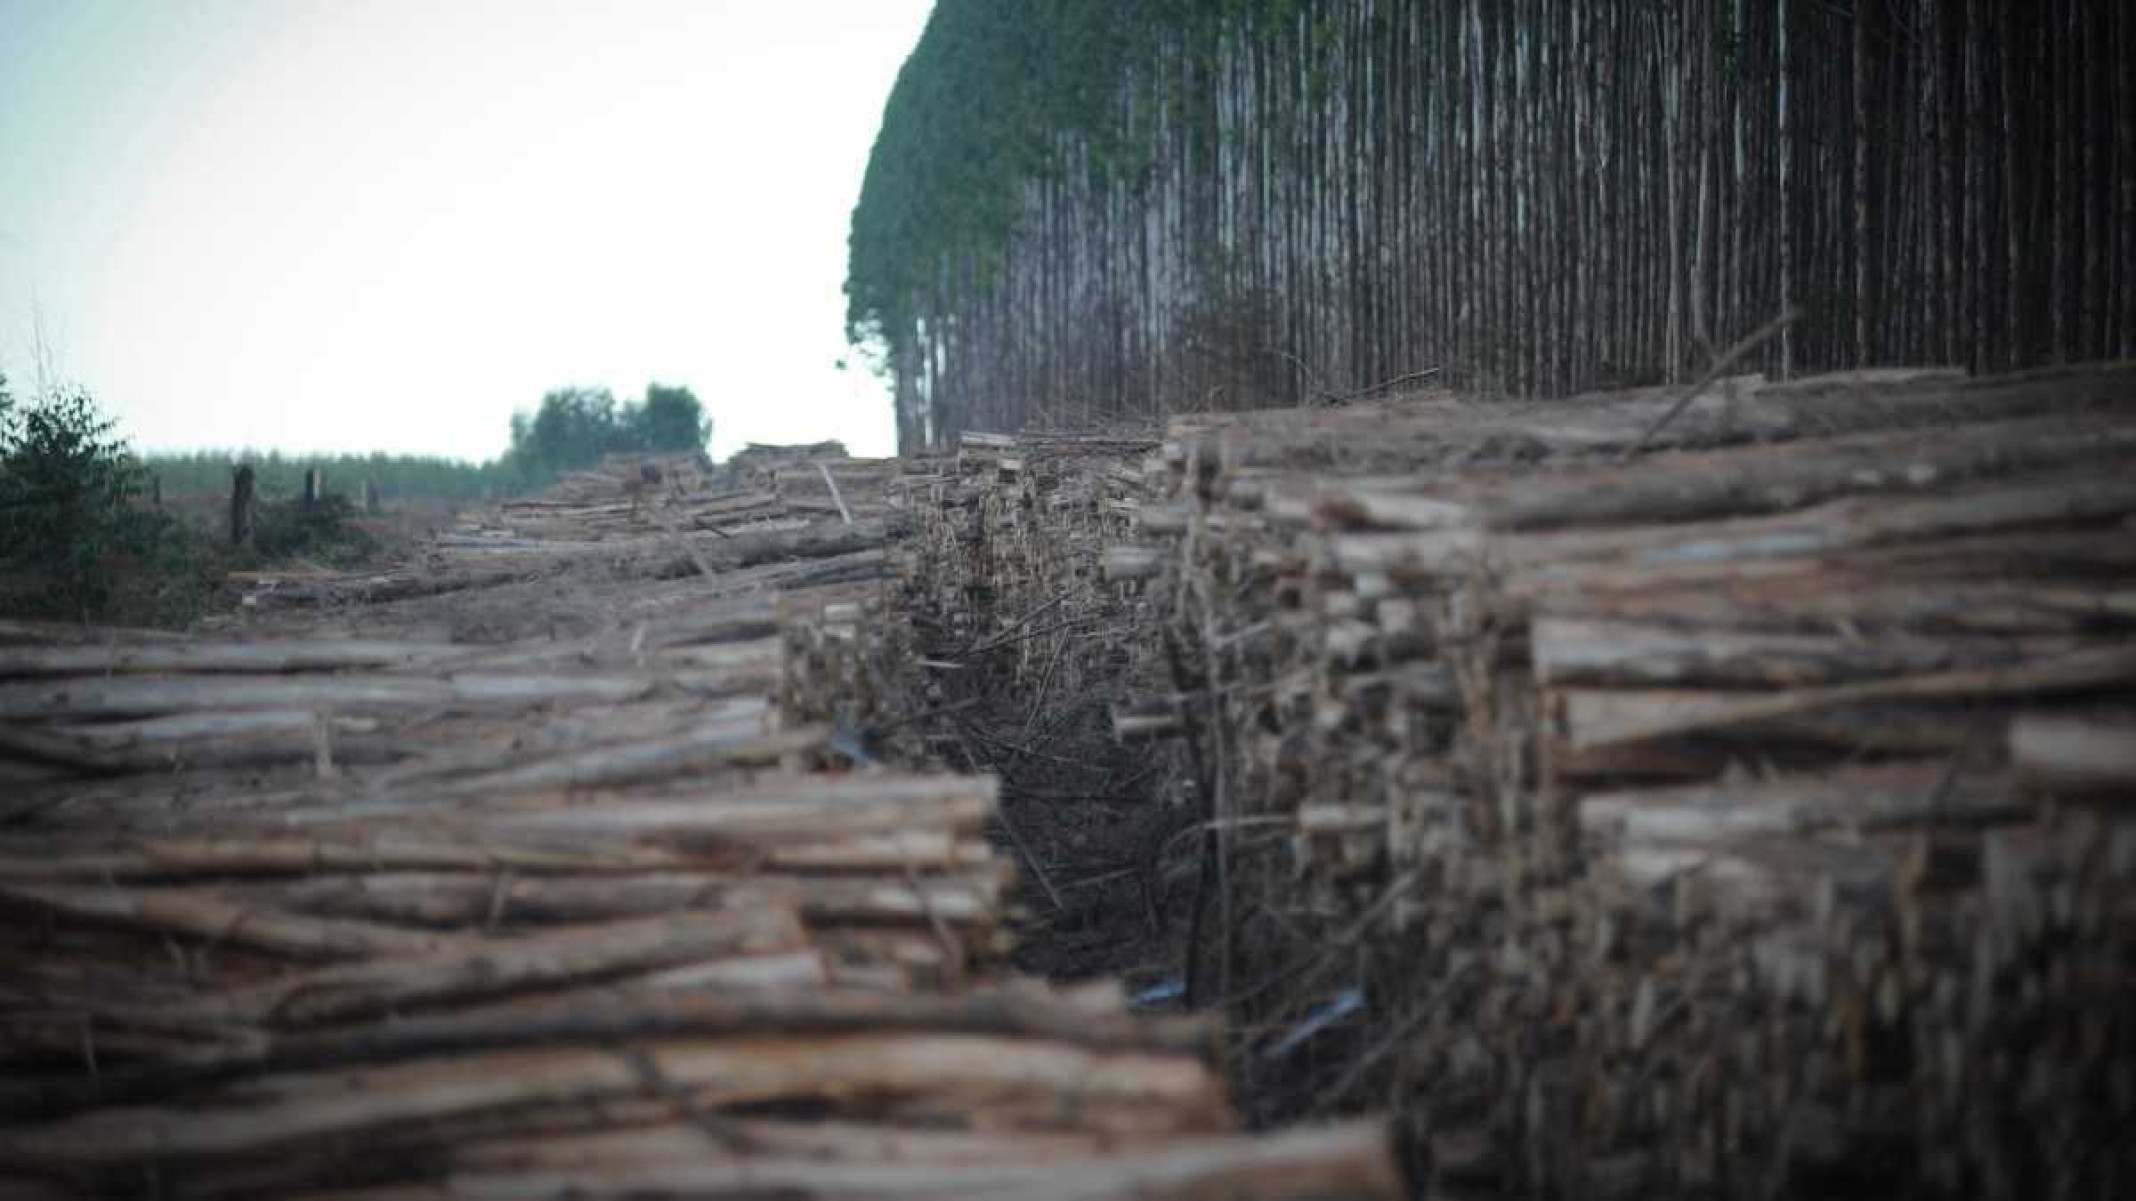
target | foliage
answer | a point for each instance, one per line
(1526, 197)
(78, 541)
(573, 427)
(322, 532)
(672, 418)
(75, 542)
(1058, 84)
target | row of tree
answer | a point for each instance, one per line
(198, 472)
(1086, 209)
(571, 428)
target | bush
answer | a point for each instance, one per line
(324, 532)
(74, 541)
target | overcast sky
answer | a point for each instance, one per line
(386, 224)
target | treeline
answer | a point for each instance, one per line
(83, 537)
(275, 474)
(571, 428)
(1084, 209)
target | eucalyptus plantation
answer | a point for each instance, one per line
(1081, 210)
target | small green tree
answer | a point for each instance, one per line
(73, 541)
(576, 426)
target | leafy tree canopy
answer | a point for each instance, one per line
(573, 427)
(672, 418)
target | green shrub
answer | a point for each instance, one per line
(323, 532)
(75, 544)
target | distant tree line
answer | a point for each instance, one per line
(276, 474)
(1082, 209)
(81, 537)
(572, 427)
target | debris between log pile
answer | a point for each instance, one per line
(591, 912)
(1746, 816)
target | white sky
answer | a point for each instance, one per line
(386, 224)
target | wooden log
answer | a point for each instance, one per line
(783, 810)
(1593, 718)
(1771, 479)
(1586, 652)
(121, 696)
(246, 657)
(2080, 753)
(1127, 562)
(1764, 879)
(732, 742)
(1146, 723)
(285, 1110)
(31, 860)
(1872, 606)
(1446, 429)
(1861, 798)
(679, 1142)
(1832, 527)
(465, 898)
(1342, 818)
(207, 914)
(1363, 507)
(39, 634)
(808, 967)
(609, 1014)
(2044, 582)
(1424, 553)
(1353, 1160)
(744, 660)
(899, 851)
(473, 969)
(202, 739)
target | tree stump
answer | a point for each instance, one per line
(242, 504)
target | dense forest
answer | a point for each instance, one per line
(1080, 210)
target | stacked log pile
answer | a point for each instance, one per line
(1719, 792)
(637, 517)
(587, 916)
(1024, 644)
(1011, 542)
